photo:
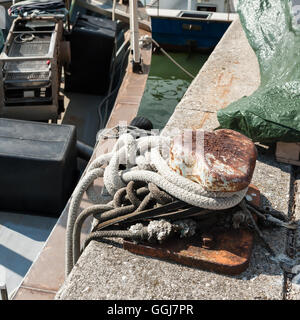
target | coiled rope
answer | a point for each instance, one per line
(150, 166)
(128, 204)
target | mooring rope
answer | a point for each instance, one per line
(132, 199)
(175, 62)
(145, 40)
(149, 167)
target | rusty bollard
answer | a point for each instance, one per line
(222, 160)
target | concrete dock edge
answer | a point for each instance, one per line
(107, 271)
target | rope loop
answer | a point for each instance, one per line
(137, 177)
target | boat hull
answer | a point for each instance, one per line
(185, 34)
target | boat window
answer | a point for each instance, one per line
(194, 15)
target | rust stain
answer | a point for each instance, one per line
(205, 117)
(223, 87)
(226, 87)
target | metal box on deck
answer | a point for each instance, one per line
(38, 166)
(92, 44)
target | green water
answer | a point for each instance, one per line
(167, 84)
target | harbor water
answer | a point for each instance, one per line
(167, 84)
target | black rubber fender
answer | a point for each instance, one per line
(142, 123)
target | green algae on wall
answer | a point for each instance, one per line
(272, 112)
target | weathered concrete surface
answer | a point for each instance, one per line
(294, 288)
(106, 271)
(230, 73)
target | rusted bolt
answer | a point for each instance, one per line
(207, 241)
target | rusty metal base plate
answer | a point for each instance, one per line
(225, 252)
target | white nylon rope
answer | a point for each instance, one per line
(148, 166)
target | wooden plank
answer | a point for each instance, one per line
(288, 152)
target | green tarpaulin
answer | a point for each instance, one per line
(272, 112)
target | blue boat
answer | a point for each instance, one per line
(193, 26)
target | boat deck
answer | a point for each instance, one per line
(23, 235)
(21, 239)
(46, 274)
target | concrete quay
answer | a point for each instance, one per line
(107, 271)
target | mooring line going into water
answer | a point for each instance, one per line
(176, 63)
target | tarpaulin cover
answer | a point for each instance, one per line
(272, 112)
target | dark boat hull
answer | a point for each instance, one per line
(181, 34)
